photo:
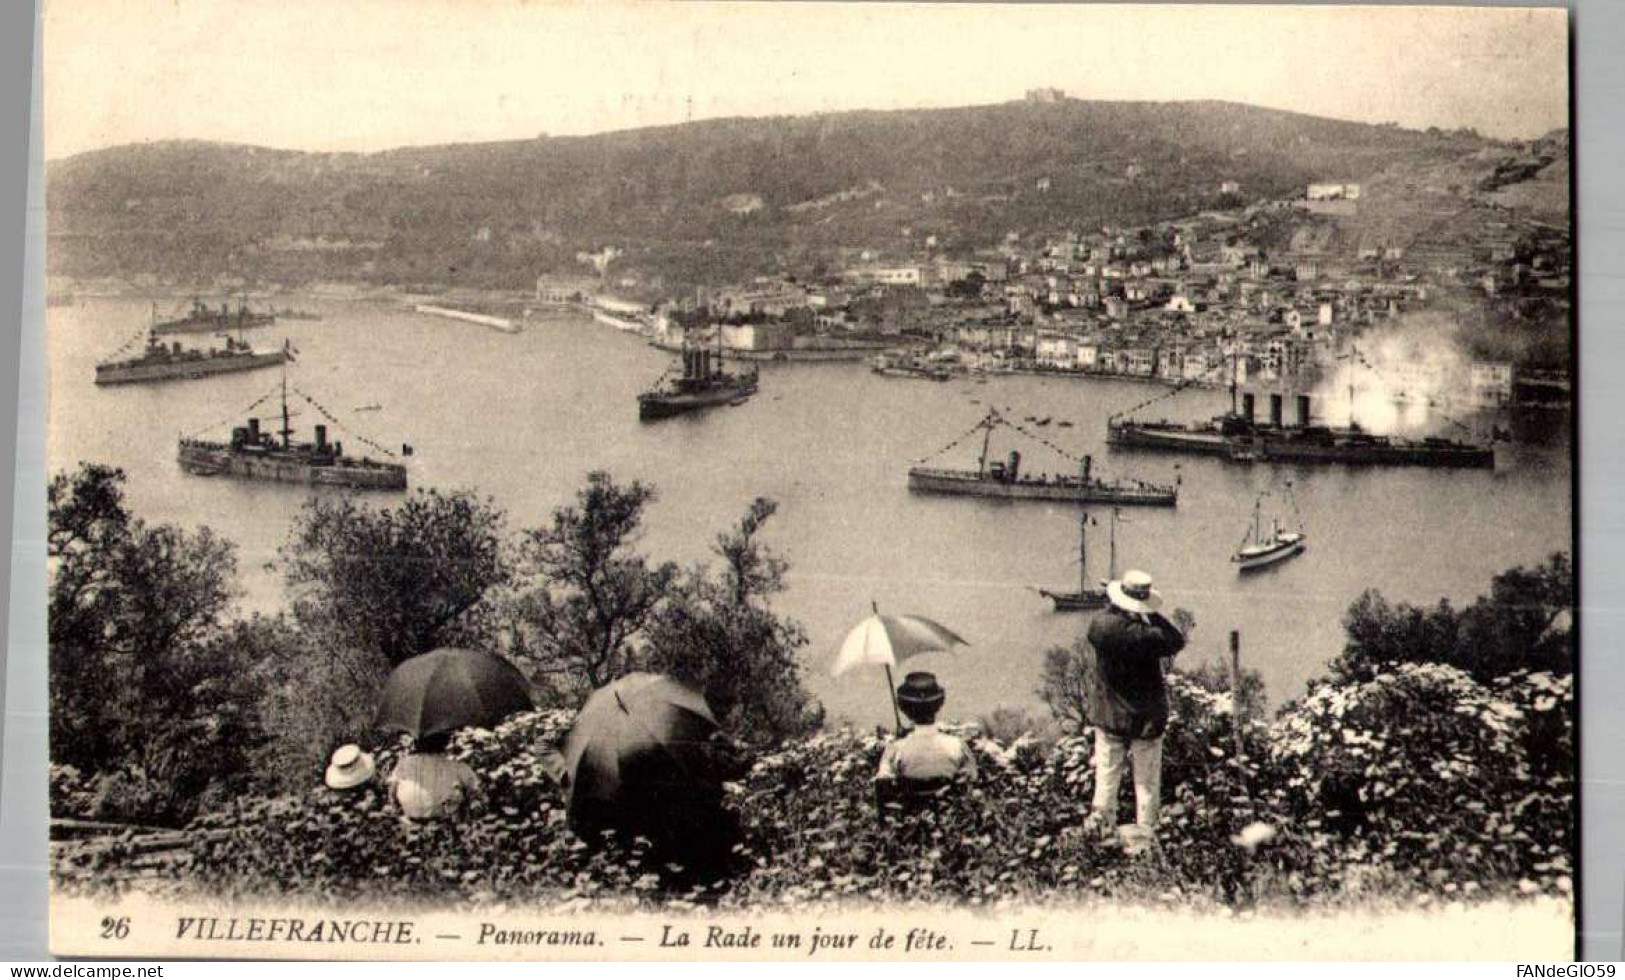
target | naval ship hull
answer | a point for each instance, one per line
(123, 374)
(1287, 445)
(214, 324)
(1167, 437)
(1289, 450)
(218, 459)
(969, 483)
(655, 407)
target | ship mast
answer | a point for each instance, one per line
(1233, 372)
(1354, 356)
(1083, 553)
(287, 430)
(987, 436)
(1111, 567)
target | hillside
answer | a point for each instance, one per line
(698, 201)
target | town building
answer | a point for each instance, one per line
(1490, 382)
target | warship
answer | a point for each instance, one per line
(1005, 478)
(704, 384)
(204, 319)
(255, 454)
(1240, 436)
(174, 362)
(905, 366)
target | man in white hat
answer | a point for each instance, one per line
(1128, 702)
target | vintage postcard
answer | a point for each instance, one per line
(811, 481)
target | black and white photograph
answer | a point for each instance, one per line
(818, 481)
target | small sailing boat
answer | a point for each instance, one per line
(1086, 598)
(1259, 549)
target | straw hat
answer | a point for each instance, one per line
(1133, 593)
(349, 767)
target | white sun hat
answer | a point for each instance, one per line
(1133, 593)
(349, 767)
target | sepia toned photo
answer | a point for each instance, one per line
(816, 481)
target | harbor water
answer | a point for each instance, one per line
(522, 418)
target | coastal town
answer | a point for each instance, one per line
(1273, 293)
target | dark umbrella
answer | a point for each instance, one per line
(637, 738)
(438, 692)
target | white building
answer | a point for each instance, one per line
(1056, 350)
(908, 275)
(1333, 192)
(1491, 382)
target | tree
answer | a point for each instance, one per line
(1522, 623)
(398, 581)
(1525, 621)
(316, 696)
(969, 287)
(1064, 683)
(137, 681)
(719, 634)
(592, 595)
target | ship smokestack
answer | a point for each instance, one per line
(254, 431)
(1303, 410)
(1088, 464)
(1275, 409)
(1247, 406)
(1015, 463)
(321, 437)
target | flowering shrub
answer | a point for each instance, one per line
(1425, 776)
(1417, 780)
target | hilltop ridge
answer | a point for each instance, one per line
(707, 199)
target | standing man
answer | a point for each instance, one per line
(1128, 703)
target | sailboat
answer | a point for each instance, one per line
(1260, 548)
(1086, 598)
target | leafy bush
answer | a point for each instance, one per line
(1417, 782)
(1425, 775)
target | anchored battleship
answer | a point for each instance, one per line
(892, 365)
(1005, 478)
(255, 454)
(1240, 436)
(204, 319)
(174, 362)
(704, 384)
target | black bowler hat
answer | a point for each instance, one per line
(921, 688)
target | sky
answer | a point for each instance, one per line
(374, 74)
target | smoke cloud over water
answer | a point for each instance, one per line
(1399, 374)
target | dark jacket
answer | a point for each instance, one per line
(1126, 693)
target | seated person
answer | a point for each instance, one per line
(925, 759)
(429, 784)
